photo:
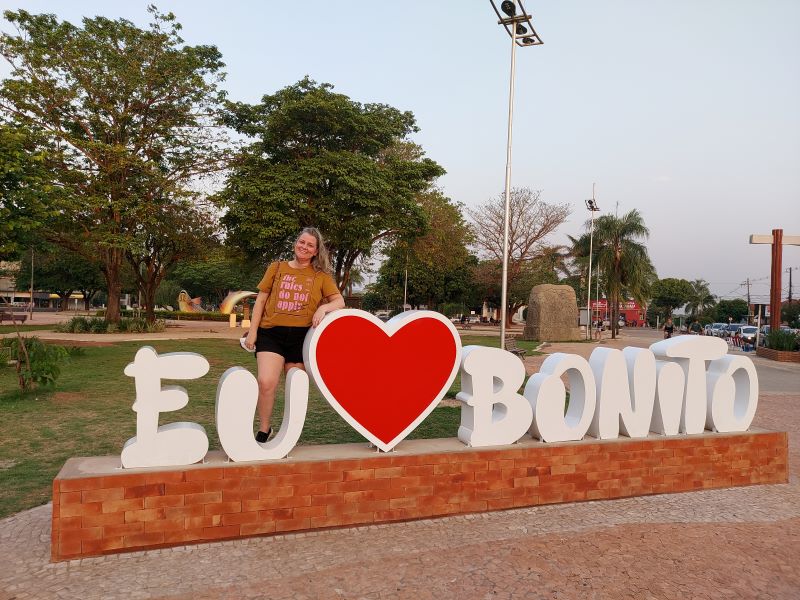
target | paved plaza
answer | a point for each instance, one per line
(731, 543)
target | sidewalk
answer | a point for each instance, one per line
(734, 543)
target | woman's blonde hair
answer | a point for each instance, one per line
(322, 261)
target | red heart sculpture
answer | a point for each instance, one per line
(383, 379)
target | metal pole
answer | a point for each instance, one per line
(30, 305)
(504, 292)
(405, 286)
(589, 290)
(758, 328)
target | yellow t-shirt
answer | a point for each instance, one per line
(294, 294)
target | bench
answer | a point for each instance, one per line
(511, 346)
(7, 315)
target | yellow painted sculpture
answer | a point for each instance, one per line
(187, 304)
(234, 298)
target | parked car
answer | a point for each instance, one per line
(716, 328)
(748, 334)
(707, 329)
(731, 330)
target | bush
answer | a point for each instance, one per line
(781, 339)
(100, 325)
(179, 315)
(44, 360)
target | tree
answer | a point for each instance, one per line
(670, 293)
(321, 159)
(127, 119)
(700, 299)
(23, 189)
(531, 221)
(623, 261)
(735, 310)
(166, 233)
(438, 263)
(62, 273)
(216, 272)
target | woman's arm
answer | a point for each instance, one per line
(332, 302)
(255, 319)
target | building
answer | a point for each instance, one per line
(629, 311)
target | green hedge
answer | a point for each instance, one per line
(100, 325)
(180, 315)
(780, 339)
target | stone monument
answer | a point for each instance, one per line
(552, 314)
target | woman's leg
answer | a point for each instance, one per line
(270, 366)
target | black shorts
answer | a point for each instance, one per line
(286, 341)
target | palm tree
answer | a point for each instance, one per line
(623, 261)
(701, 297)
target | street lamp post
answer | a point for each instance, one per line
(520, 28)
(592, 206)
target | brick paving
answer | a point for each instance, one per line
(732, 543)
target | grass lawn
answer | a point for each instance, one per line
(88, 413)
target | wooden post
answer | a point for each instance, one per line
(775, 280)
(777, 239)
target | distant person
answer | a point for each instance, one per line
(695, 328)
(669, 329)
(292, 296)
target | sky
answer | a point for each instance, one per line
(687, 110)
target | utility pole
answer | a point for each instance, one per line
(749, 314)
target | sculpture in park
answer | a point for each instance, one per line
(188, 304)
(232, 299)
(388, 382)
(552, 314)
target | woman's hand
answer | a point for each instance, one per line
(318, 316)
(250, 342)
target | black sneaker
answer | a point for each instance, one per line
(263, 436)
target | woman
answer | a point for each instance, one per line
(292, 296)
(669, 328)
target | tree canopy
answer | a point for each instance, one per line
(531, 221)
(670, 293)
(700, 298)
(735, 310)
(24, 185)
(321, 159)
(621, 258)
(438, 263)
(126, 122)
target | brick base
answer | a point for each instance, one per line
(99, 508)
(779, 355)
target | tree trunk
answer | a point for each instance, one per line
(111, 272)
(615, 318)
(87, 299)
(63, 301)
(149, 296)
(510, 312)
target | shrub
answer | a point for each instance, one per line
(42, 365)
(100, 325)
(781, 339)
(180, 315)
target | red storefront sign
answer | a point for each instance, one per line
(629, 311)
